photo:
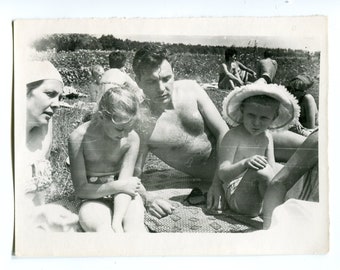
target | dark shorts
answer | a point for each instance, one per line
(107, 200)
(267, 78)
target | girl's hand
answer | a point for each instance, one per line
(129, 186)
(256, 162)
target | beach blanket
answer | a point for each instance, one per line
(190, 214)
(177, 187)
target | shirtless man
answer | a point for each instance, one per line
(266, 68)
(182, 126)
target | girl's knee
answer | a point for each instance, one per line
(95, 216)
(134, 218)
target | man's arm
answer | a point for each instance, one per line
(231, 76)
(158, 207)
(302, 160)
(219, 128)
(243, 67)
(210, 114)
(311, 110)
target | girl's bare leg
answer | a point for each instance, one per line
(134, 217)
(250, 192)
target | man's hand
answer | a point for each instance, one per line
(159, 207)
(216, 198)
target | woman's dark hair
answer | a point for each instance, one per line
(300, 83)
(229, 52)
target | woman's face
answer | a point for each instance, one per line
(42, 102)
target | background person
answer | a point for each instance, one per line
(308, 120)
(266, 68)
(233, 73)
(97, 72)
(117, 59)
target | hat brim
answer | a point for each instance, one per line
(288, 113)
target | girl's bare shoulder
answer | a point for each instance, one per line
(234, 134)
(80, 132)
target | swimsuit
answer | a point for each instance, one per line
(229, 189)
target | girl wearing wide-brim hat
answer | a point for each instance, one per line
(247, 161)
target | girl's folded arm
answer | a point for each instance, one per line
(82, 187)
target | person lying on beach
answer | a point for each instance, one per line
(233, 73)
(103, 154)
(308, 120)
(246, 154)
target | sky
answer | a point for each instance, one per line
(306, 43)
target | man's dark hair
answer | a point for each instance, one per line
(229, 52)
(149, 57)
(117, 59)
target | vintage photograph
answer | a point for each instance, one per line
(167, 131)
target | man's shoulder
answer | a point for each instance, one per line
(186, 83)
(187, 87)
(185, 90)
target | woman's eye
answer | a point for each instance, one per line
(51, 94)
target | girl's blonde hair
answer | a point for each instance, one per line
(120, 104)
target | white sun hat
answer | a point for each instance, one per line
(289, 110)
(41, 70)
